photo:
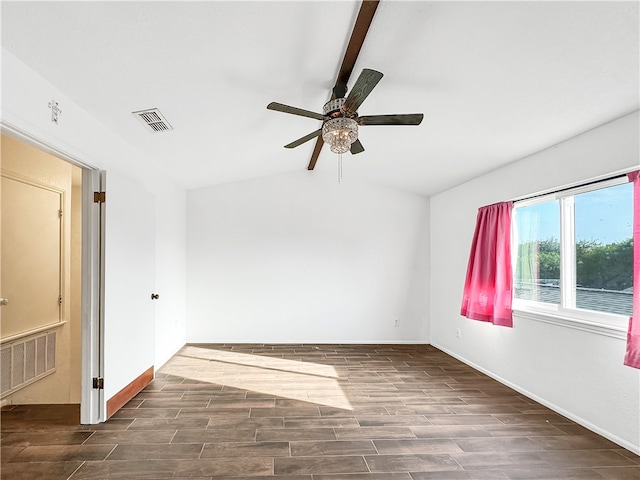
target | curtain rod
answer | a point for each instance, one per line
(586, 184)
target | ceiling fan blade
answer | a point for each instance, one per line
(366, 82)
(358, 34)
(316, 153)
(404, 119)
(304, 139)
(356, 147)
(279, 107)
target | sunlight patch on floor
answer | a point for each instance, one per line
(304, 381)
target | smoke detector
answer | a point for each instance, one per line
(153, 120)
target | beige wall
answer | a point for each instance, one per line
(28, 163)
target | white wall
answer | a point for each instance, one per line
(578, 373)
(25, 98)
(298, 258)
(171, 273)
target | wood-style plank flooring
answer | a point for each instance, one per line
(312, 412)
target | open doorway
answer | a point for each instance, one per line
(49, 280)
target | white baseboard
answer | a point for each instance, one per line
(594, 428)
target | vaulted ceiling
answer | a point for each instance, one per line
(496, 81)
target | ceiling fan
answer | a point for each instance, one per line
(358, 34)
(340, 119)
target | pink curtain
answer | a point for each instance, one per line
(632, 357)
(488, 286)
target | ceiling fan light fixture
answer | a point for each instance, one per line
(340, 133)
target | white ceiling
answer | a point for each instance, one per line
(496, 81)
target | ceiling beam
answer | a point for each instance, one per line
(360, 29)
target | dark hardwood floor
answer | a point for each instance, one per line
(312, 412)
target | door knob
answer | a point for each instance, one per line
(4, 301)
(155, 296)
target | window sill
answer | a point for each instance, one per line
(559, 319)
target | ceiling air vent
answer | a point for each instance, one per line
(153, 120)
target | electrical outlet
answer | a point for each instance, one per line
(458, 333)
(396, 323)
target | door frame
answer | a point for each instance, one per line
(92, 405)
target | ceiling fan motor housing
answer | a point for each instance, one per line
(333, 108)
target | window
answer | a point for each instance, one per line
(537, 269)
(575, 251)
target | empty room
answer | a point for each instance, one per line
(320, 240)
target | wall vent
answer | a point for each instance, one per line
(26, 360)
(153, 120)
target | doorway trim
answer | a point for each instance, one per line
(92, 405)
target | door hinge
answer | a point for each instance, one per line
(99, 197)
(60, 300)
(98, 383)
(59, 213)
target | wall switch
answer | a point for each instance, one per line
(396, 323)
(458, 333)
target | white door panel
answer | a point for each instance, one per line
(129, 281)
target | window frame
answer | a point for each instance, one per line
(566, 313)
